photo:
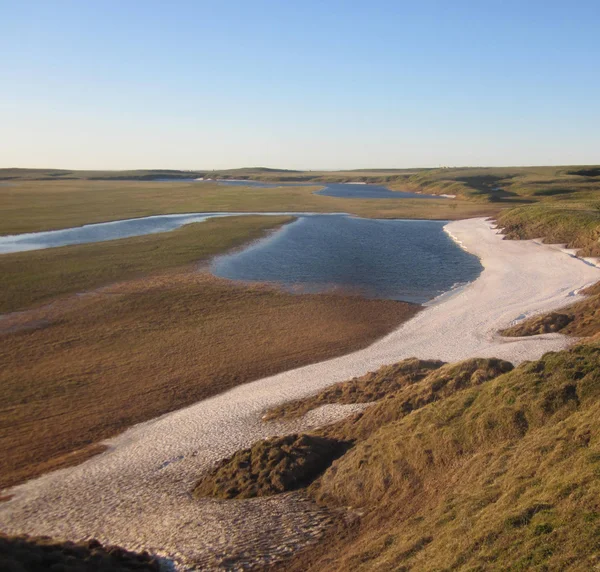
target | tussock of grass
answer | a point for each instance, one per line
(40, 554)
(438, 384)
(581, 319)
(271, 466)
(370, 387)
(499, 475)
(553, 322)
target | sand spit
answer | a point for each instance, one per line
(137, 494)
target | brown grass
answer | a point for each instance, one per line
(39, 554)
(497, 475)
(30, 206)
(87, 367)
(28, 278)
(271, 466)
(581, 319)
(365, 389)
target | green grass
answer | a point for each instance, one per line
(33, 200)
(30, 206)
(508, 185)
(574, 225)
(29, 278)
(497, 474)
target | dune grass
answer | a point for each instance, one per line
(581, 319)
(498, 471)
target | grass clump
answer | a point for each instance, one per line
(39, 554)
(553, 322)
(270, 467)
(368, 388)
(581, 319)
(438, 384)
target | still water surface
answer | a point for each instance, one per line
(408, 260)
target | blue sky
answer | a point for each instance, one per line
(298, 83)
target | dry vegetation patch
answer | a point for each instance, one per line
(368, 388)
(40, 554)
(439, 384)
(499, 475)
(90, 366)
(581, 319)
(270, 467)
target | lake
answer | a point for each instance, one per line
(408, 260)
(359, 191)
(341, 190)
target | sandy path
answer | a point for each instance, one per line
(137, 494)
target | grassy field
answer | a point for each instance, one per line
(83, 369)
(42, 200)
(45, 205)
(29, 278)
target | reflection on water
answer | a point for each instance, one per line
(406, 260)
(397, 259)
(358, 191)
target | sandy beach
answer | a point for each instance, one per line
(137, 494)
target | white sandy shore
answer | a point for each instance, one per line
(137, 494)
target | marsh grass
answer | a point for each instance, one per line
(30, 206)
(30, 278)
(87, 367)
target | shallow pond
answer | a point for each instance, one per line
(408, 260)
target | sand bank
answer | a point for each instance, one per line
(137, 494)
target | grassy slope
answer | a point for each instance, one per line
(582, 319)
(29, 278)
(574, 225)
(500, 474)
(507, 184)
(367, 388)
